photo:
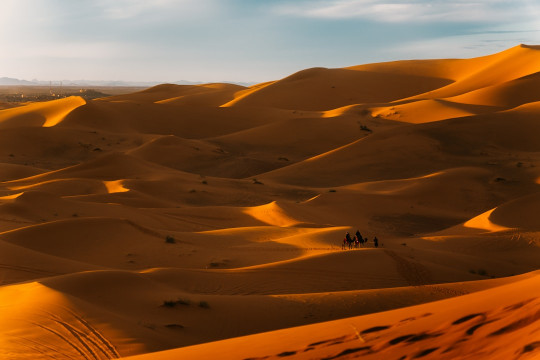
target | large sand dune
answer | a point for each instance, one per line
(207, 221)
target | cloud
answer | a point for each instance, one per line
(397, 11)
(462, 46)
(130, 9)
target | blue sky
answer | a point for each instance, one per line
(246, 40)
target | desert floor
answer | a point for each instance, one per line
(207, 221)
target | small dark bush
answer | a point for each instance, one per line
(173, 303)
(204, 305)
(169, 239)
(255, 181)
(332, 190)
(174, 326)
(482, 272)
(365, 128)
(169, 303)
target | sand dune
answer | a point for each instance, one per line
(206, 94)
(40, 114)
(466, 326)
(14, 171)
(423, 111)
(509, 94)
(336, 88)
(208, 220)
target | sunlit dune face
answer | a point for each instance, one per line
(11, 197)
(57, 116)
(337, 112)
(194, 252)
(271, 214)
(115, 186)
(58, 327)
(44, 114)
(482, 222)
(245, 93)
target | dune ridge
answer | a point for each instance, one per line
(207, 221)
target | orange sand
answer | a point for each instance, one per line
(207, 221)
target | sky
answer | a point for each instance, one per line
(246, 40)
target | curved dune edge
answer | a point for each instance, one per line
(245, 93)
(46, 114)
(467, 325)
(271, 214)
(115, 186)
(11, 197)
(483, 222)
(237, 199)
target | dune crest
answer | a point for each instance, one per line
(483, 222)
(40, 114)
(209, 221)
(271, 214)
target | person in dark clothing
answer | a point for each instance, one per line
(376, 241)
(349, 239)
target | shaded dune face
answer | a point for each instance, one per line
(207, 221)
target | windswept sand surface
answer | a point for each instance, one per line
(206, 221)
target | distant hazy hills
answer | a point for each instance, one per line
(12, 81)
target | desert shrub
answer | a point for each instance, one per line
(169, 239)
(204, 305)
(482, 272)
(365, 128)
(169, 303)
(173, 303)
(174, 326)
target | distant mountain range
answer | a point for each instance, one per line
(15, 82)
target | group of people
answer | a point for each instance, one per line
(357, 241)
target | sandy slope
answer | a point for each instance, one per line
(335, 88)
(184, 215)
(40, 114)
(466, 327)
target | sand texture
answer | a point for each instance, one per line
(207, 221)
